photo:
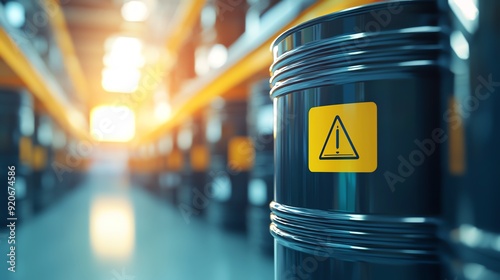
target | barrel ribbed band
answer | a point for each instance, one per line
(356, 237)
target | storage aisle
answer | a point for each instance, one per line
(110, 230)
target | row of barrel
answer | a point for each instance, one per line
(218, 165)
(386, 149)
(39, 160)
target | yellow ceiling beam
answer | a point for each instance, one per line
(45, 90)
(251, 64)
(184, 24)
(65, 44)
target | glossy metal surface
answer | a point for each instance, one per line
(361, 225)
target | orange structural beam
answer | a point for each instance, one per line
(29, 68)
(254, 62)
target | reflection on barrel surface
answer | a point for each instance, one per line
(357, 101)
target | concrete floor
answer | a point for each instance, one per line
(109, 230)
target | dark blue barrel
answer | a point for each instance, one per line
(261, 181)
(357, 148)
(226, 134)
(471, 228)
(16, 133)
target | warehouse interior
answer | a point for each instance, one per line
(249, 139)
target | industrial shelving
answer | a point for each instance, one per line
(24, 67)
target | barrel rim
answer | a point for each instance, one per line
(339, 14)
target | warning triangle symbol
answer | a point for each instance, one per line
(338, 144)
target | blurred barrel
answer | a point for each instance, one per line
(16, 132)
(357, 179)
(44, 176)
(138, 165)
(230, 161)
(151, 168)
(58, 149)
(261, 182)
(192, 196)
(471, 229)
(171, 177)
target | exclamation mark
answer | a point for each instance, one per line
(337, 138)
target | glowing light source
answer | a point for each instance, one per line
(15, 14)
(466, 12)
(117, 59)
(123, 60)
(217, 56)
(123, 44)
(459, 45)
(125, 80)
(112, 123)
(162, 111)
(112, 228)
(135, 11)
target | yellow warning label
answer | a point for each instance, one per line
(343, 138)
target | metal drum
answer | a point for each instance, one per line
(261, 181)
(357, 148)
(16, 132)
(471, 228)
(227, 139)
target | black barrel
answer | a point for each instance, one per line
(228, 172)
(16, 132)
(471, 228)
(357, 179)
(261, 181)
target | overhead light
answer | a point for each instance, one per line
(15, 14)
(217, 56)
(112, 123)
(124, 80)
(121, 59)
(123, 44)
(135, 11)
(459, 45)
(466, 12)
